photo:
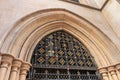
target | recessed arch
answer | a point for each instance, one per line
(61, 53)
(24, 36)
(67, 28)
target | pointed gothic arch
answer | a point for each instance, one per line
(28, 31)
(60, 55)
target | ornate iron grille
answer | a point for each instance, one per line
(60, 56)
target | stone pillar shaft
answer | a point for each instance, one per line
(118, 71)
(24, 68)
(13, 73)
(112, 71)
(110, 77)
(23, 75)
(105, 76)
(15, 68)
(118, 74)
(104, 73)
(3, 70)
(5, 63)
(114, 76)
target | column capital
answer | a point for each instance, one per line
(111, 68)
(7, 58)
(103, 70)
(15, 68)
(17, 63)
(25, 66)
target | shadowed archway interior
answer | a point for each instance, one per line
(60, 56)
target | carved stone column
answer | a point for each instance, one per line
(104, 73)
(112, 71)
(118, 70)
(15, 68)
(24, 69)
(110, 77)
(5, 62)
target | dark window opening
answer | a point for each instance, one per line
(60, 56)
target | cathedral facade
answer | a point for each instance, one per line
(59, 40)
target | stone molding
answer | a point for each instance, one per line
(19, 65)
(24, 68)
(110, 68)
(103, 70)
(43, 22)
(16, 65)
(17, 62)
(14, 62)
(7, 58)
(6, 62)
(111, 72)
(118, 66)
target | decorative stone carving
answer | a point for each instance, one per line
(23, 72)
(17, 63)
(112, 71)
(7, 58)
(104, 73)
(118, 70)
(103, 70)
(15, 68)
(5, 62)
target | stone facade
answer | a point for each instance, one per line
(24, 23)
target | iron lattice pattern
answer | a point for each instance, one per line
(60, 56)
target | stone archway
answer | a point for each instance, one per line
(28, 31)
(47, 21)
(60, 55)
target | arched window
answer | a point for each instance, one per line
(94, 4)
(60, 56)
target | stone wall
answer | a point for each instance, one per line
(24, 23)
